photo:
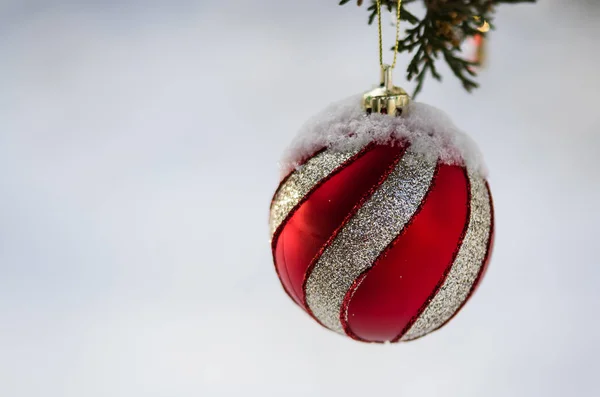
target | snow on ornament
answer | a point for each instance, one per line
(382, 226)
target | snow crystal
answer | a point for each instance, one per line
(344, 126)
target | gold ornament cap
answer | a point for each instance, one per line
(386, 99)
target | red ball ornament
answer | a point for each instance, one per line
(383, 229)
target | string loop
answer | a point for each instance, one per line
(381, 36)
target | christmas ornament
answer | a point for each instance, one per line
(479, 43)
(382, 227)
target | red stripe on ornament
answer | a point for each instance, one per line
(484, 267)
(395, 154)
(449, 268)
(310, 224)
(352, 290)
(282, 274)
(387, 298)
(278, 230)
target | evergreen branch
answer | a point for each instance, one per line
(439, 35)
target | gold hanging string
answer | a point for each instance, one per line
(381, 36)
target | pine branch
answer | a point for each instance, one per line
(439, 35)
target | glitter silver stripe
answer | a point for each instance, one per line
(302, 181)
(465, 268)
(365, 236)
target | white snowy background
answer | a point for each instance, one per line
(139, 148)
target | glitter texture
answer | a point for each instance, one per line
(302, 181)
(465, 268)
(365, 236)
